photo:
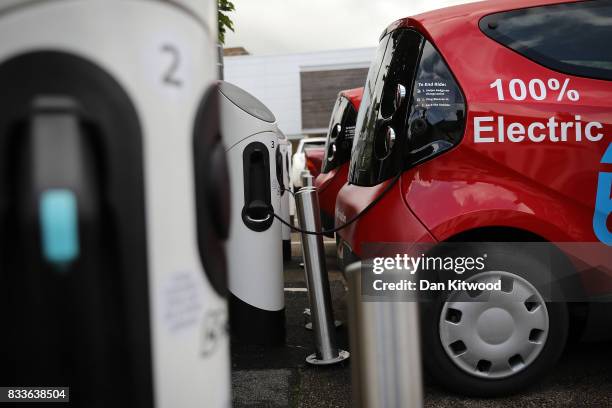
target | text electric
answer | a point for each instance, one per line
(491, 129)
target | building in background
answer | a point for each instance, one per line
(300, 89)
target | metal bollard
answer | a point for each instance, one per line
(317, 281)
(220, 66)
(307, 179)
(308, 323)
(385, 343)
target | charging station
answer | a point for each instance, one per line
(257, 304)
(284, 146)
(113, 190)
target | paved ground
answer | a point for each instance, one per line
(279, 377)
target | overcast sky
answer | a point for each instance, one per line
(266, 27)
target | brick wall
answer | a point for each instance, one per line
(319, 90)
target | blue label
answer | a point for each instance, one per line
(59, 226)
(603, 203)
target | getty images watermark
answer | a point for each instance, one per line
(407, 265)
(474, 271)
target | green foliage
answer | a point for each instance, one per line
(225, 23)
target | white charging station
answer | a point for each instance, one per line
(285, 152)
(112, 210)
(251, 135)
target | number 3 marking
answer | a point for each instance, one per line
(169, 77)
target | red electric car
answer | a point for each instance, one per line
(314, 159)
(334, 168)
(491, 123)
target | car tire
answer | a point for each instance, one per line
(448, 370)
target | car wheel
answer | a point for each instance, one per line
(494, 343)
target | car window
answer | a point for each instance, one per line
(300, 147)
(317, 143)
(437, 113)
(360, 137)
(340, 135)
(374, 159)
(573, 38)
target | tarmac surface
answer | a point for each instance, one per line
(279, 377)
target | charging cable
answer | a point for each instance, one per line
(347, 223)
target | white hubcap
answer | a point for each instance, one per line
(494, 334)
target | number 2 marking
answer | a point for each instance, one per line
(169, 76)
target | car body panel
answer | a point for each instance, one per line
(298, 161)
(328, 184)
(314, 159)
(369, 228)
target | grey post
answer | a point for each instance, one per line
(307, 179)
(317, 281)
(220, 60)
(308, 323)
(385, 343)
